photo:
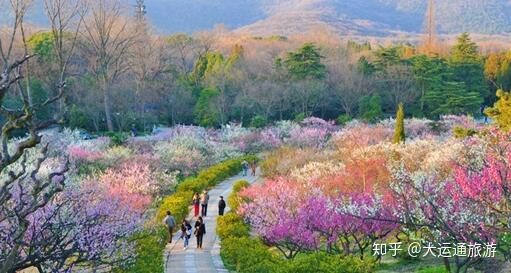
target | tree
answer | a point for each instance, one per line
(24, 189)
(107, 38)
(428, 73)
(467, 66)
(399, 131)
(206, 110)
(501, 110)
(370, 108)
(452, 98)
(305, 63)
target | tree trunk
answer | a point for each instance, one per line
(108, 110)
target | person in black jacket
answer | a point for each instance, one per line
(221, 206)
(200, 230)
(186, 232)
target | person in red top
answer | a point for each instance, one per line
(196, 204)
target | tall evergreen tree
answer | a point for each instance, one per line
(399, 131)
(305, 63)
(467, 66)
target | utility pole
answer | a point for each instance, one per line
(430, 39)
(140, 10)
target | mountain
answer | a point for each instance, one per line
(382, 17)
(363, 17)
(360, 17)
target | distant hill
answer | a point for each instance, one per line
(381, 17)
(361, 17)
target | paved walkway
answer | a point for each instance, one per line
(207, 259)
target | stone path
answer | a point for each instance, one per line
(207, 259)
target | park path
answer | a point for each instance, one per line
(207, 259)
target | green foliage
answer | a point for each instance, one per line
(300, 117)
(322, 262)
(150, 245)
(352, 45)
(231, 225)
(78, 118)
(437, 269)
(365, 67)
(453, 98)
(306, 62)
(387, 56)
(501, 111)
(213, 175)
(244, 254)
(467, 66)
(460, 132)
(42, 44)
(465, 49)
(239, 186)
(370, 108)
(177, 203)
(497, 69)
(117, 138)
(343, 119)
(258, 122)
(234, 200)
(206, 112)
(399, 131)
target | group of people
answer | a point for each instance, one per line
(201, 202)
(200, 227)
(246, 166)
(186, 229)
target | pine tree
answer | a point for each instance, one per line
(305, 63)
(399, 133)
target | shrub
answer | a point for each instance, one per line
(437, 269)
(231, 225)
(177, 204)
(299, 117)
(214, 175)
(234, 200)
(370, 108)
(117, 138)
(322, 262)
(460, 132)
(243, 253)
(150, 245)
(258, 122)
(343, 119)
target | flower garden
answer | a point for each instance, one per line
(330, 194)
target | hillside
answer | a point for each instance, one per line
(382, 17)
(284, 17)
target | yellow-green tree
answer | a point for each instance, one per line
(399, 133)
(501, 110)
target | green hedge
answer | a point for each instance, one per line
(150, 247)
(214, 175)
(234, 200)
(231, 225)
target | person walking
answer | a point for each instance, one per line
(170, 222)
(244, 166)
(221, 206)
(253, 166)
(204, 199)
(196, 204)
(186, 233)
(200, 230)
